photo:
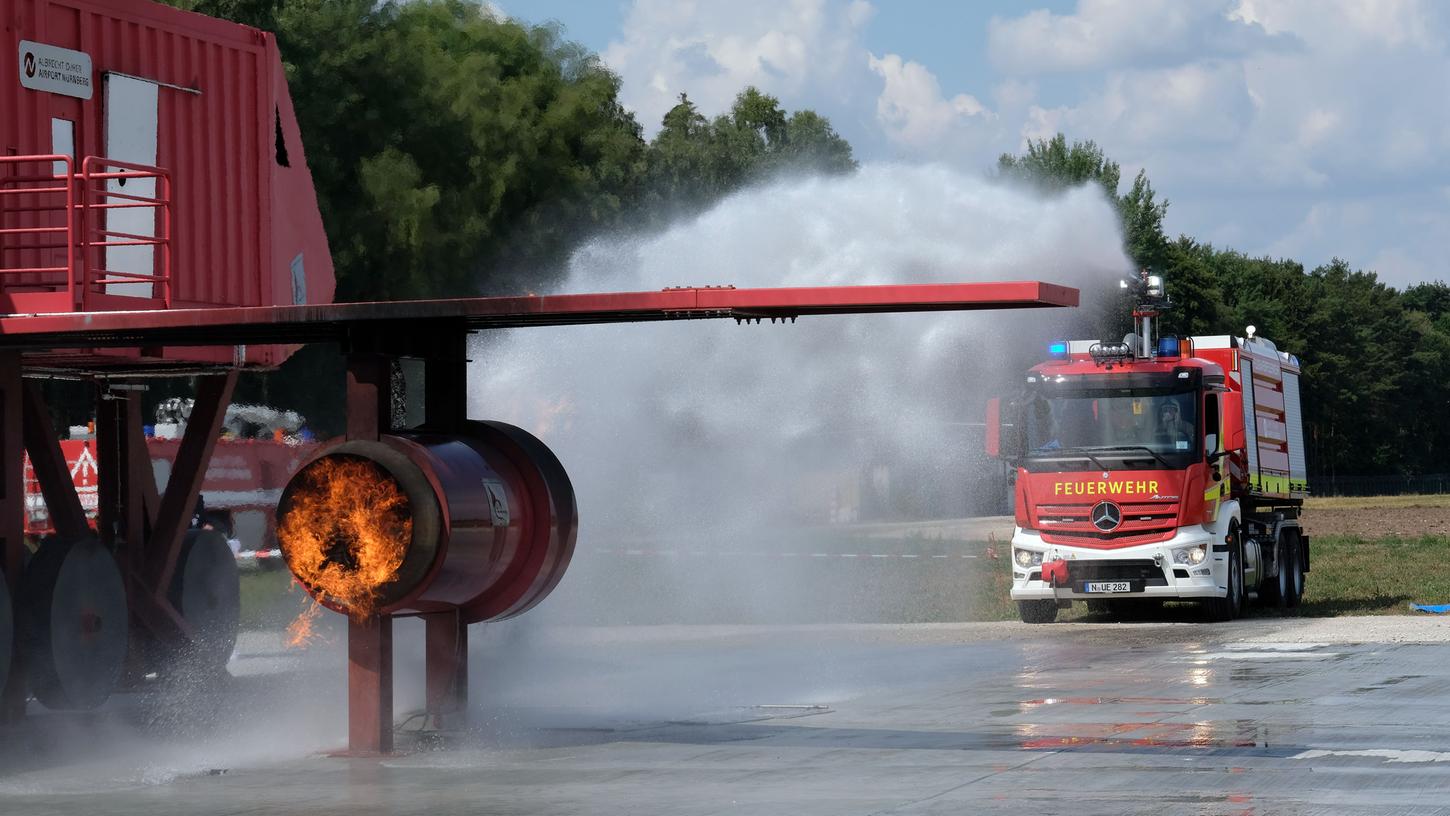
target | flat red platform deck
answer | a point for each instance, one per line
(40, 335)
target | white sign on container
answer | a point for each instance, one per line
(56, 70)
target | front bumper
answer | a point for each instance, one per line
(1207, 579)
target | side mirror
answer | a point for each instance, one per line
(1004, 433)
(1210, 444)
(1231, 404)
(994, 427)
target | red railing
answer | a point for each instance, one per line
(99, 202)
(58, 232)
(31, 204)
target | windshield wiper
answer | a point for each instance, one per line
(1073, 452)
(1143, 448)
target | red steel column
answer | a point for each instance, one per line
(12, 515)
(447, 670)
(369, 641)
(445, 386)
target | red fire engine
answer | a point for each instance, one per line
(243, 482)
(1151, 471)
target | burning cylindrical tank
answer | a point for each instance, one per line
(482, 521)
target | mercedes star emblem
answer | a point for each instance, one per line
(1106, 516)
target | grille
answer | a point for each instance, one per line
(1143, 523)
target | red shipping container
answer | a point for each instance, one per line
(203, 100)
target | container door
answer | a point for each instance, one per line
(131, 127)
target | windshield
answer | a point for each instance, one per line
(1127, 422)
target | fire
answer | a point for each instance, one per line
(346, 531)
(302, 631)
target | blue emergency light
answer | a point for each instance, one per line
(1057, 350)
(1168, 347)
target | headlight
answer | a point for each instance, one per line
(1027, 558)
(1190, 555)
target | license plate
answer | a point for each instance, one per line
(1107, 586)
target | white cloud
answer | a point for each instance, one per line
(712, 51)
(1202, 103)
(912, 108)
(1269, 123)
(1113, 33)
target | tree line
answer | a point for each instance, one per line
(457, 153)
(1376, 359)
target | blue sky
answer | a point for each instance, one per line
(1310, 129)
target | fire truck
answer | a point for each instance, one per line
(1154, 470)
(260, 448)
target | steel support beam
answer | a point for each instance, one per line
(12, 515)
(178, 503)
(46, 459)
(370, 685)
(369, 641)
(445, 378)
(447, 670)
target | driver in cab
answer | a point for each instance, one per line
(1171, 426)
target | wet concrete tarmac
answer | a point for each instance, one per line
(979, 718)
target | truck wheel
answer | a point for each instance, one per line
(1274, 591)
(1229, 607)
(1037, 611)
(1294, 591)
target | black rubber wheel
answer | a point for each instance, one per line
(1274, 590)
(206, 589)
(1037, 611)
(72, 623)
(1229, 607)
(1295, 590)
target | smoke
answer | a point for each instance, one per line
(704, 437)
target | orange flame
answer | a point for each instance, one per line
(302, 631)
(346, 531)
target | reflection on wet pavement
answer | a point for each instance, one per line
(850, 720)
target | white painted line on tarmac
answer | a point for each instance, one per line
(1246, 655)
(740, 554)
(1392, 755)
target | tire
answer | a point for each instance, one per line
(1274, 591)
(1227, 608)
(1037, 611)
(1295, 590)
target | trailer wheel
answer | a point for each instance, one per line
(1227, 608)
(1294, 592)
(1037, 611)
(207, 591)
(73, 623)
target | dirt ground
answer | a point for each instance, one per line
(1377, 521)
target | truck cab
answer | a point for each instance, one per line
(1153, 471)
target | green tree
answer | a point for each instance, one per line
(692, 161)
(453, 152)
(1052, 165)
